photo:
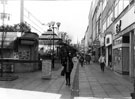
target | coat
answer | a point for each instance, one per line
(68, 66)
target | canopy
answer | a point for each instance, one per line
(48, 37)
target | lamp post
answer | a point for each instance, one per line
(3, 35)
(52, 25)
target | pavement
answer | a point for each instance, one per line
(32, 86)
(93, 84)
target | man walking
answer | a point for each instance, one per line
(102, 62)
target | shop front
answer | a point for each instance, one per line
(121, 55)
(123, 43)
(95, 50)
(102, 43)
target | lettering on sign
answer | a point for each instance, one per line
(118, 27)
(118, 41)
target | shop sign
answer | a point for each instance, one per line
(118, 41)
(96, 43)
(27, 42)
(102, 42)
(118, 27)
(108, 40)
(125, 21)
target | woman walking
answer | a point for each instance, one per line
(68, 68)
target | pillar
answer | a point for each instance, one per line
(131, 55)
(22, 11)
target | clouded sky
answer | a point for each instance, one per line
(73, 15)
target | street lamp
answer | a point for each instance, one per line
(52, 25)
(3, 35)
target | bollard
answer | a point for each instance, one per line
(133, 94)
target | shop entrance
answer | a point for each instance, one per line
(110, 56)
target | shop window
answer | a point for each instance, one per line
(116, 11)
(120, 6)
(126, 3)
(104, 4)
(107, 21)
(111, 16)
(116, 2)
(104, 27)
(125, 39)
(108, 40)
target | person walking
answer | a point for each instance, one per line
(68, 67)
(102, 62)
(81, 60)
(88, 59)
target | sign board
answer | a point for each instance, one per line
(125, 21)
(27, 42)
(46, 69)
(108, 40)
(118, 41)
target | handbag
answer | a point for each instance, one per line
(63, 72)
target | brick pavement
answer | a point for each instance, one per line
(94, 84)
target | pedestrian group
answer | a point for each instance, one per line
(67, 58)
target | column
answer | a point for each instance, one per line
(21, 11)
(106, 49)
(131, 55)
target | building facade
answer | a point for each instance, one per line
(114, 26)
(88, 33)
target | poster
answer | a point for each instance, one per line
(46, 69)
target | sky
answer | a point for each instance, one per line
(73, 15)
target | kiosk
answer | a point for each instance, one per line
(20, 54)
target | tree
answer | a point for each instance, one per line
(20, 27)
